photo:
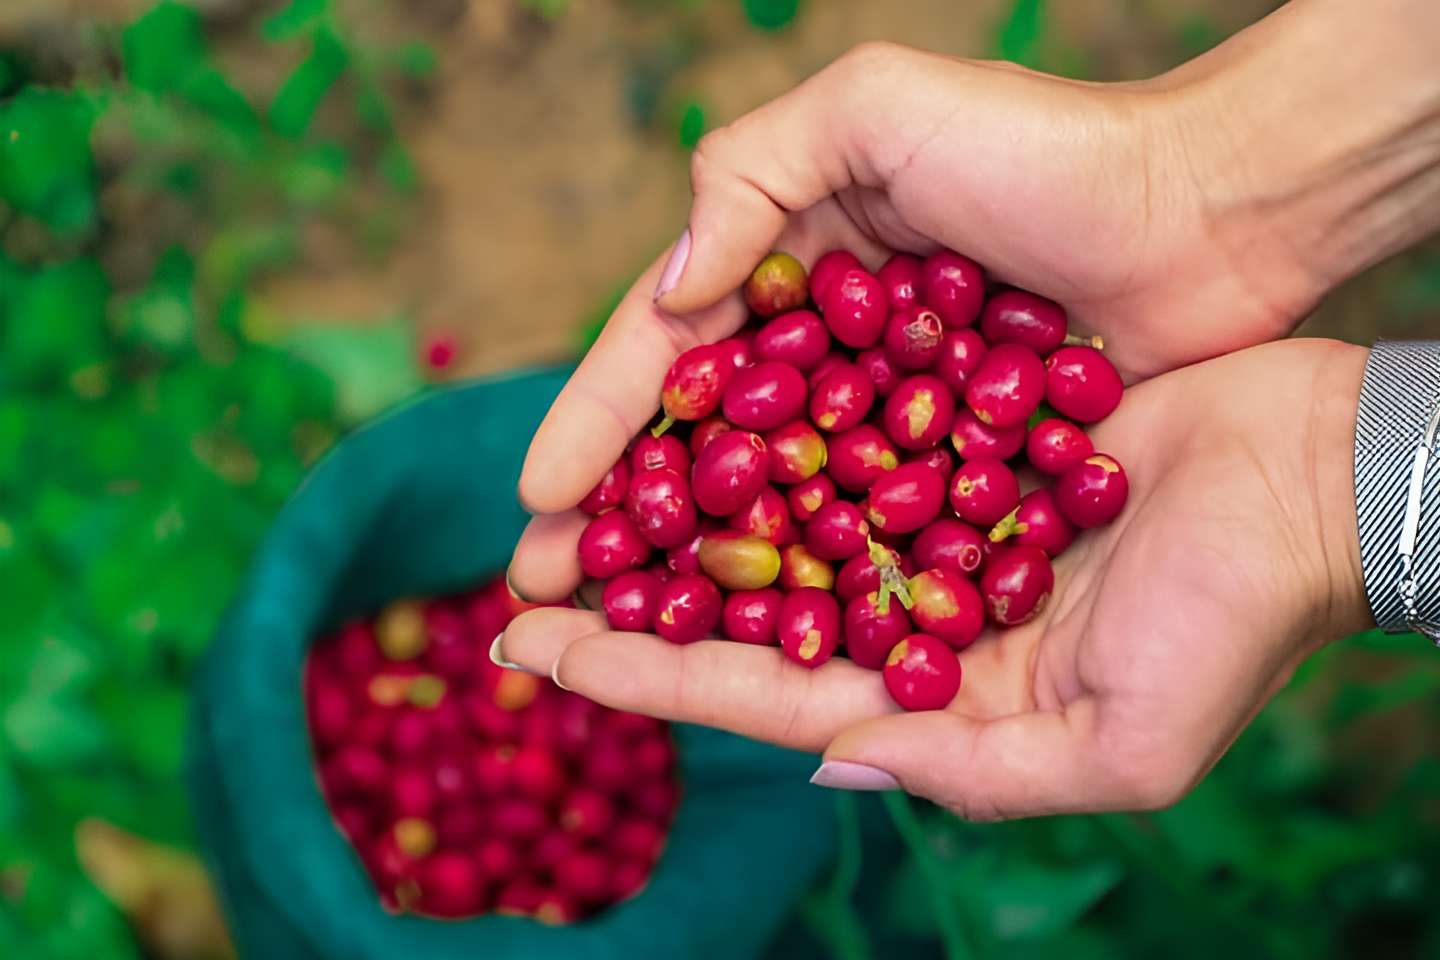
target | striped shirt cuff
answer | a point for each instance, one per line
(1399, 393)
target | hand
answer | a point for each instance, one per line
(1235, 558)
(1098, 196)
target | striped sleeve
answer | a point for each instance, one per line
(1399, 394)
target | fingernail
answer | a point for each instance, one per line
(555, 674)
(674, 266)
(498, 658)
(844, 775)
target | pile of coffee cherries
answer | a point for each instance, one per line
(803, 489)
(467, 788)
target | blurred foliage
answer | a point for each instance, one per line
(152, 418)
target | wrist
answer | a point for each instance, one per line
(1339, 604)
(1313, 139)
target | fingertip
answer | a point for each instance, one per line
(545, 567)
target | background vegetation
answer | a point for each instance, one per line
(231, 230)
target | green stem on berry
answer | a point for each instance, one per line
(1007, 527)
(659, 429)
(1074, 340)
(892, 580)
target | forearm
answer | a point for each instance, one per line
(1316, 135)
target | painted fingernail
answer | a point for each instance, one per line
(675, 266)
(844, 775)
(555, 674)
(497, 657)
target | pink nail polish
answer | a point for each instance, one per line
(675, 266)
(844, 775)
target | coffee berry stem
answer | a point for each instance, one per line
(892, 581)
(1008, 526)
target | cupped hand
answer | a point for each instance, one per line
(1102, 197)
(1167, 631)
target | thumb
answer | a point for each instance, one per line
(750, 176)
(1022, 765)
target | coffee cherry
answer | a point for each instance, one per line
(912, 337)
(800, 568)
(954, 287)
(400, 630)
(1016, 583)
(450, 885)
(611, 544)
(798, 338)
(1008, 387)
(1054, 445)
(1093, 491)
(919, 413)
(750, 616)
(828, 364)
(842, 399)
(767, 517)
(960, 355)
(739, 561)
(659, 453)
(983, 491)
(946, 605)
(688, 608)
(807, 496)
(586, 813)
(860, 576)
(776, 285)
(1036, 522)
(1030, 320)
(695, 383)
(828, 269)
(855, 307)
(797, 452)
(902, 278)
(876, 365)
(705, 431)
(1082, 384)
(950, 545)
(837, 531)
(869, 634)
(809, 626)
(629, 601)
(905, 499)
(638, 838)
(609, 493)
(738, 349)
(940, 460)
(729, 472)
(857, 457)
(922, 673)
(660, 503)
(765, 396)
(975, 440)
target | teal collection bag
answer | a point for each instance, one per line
(423, 502)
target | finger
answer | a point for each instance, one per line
(1022, 765)
(749, 177)
(546, 566)
(616, 389)
(750, 690)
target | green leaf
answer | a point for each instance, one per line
(208, 89)
(1210, 828)
(416, 59)
(770, 14)
(300, 95)
(56, 322)
(163, 48)
(294, 19)
(692, 124)
(147, 723)
(397, 168)
(1028, 900)
(46, 169)
(52, 732)
(1018, 36)
(372, 368)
